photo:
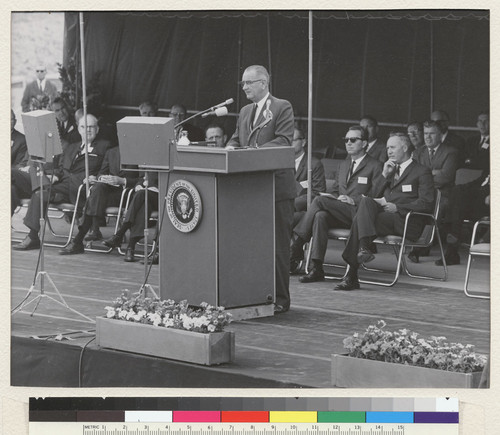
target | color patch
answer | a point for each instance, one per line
(389, 417)
(436, 417)
(293, 417)
(196, 417)
(148, 416)
(245, 417)
(341, 417)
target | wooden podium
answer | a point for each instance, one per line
(217, 236)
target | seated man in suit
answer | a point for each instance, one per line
(68, 130)
(67, 178)
(408, 187)
(442, 160)
(106, 191)
(178, 113)
(467, 201)
(477, 147)
(415, 132)
(376, 146)
(20, 179)
(358, 175)
(301, 166)
(449, 137)
(215, 133)
(148, 108)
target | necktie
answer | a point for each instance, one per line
(40, 86)
(431, 154)
(351, 170)
(252, 118)
(396, 173)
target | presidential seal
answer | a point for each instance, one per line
(183, 205)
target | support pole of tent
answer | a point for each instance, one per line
(84, 101)
(309, 113)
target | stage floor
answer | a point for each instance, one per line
(292, 349)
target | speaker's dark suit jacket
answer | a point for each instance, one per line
(477, 155)
(318, 182)
(413, 191)
(18, 150)
(279, 132)
(379, 150)
(444, 166)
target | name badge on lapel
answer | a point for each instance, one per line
(362, 180)
(406, 187)
(485, 146)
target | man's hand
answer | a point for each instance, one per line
(346, 199)
(390, 207)
(138, 187)
(54, 178)
(229, 147)
(114, 180)
(25, 169)
(389, 168)
(92, 179)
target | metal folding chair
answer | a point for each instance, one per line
(476, 250)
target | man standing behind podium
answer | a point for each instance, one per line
(277, 132)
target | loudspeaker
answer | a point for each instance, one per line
(146, 141)
(42, 135)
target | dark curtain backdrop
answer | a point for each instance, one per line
(365, 62)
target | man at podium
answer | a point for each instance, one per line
(268, 122)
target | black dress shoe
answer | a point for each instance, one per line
(113, 242)
(314, 275)
(365, 256)
(279, 309)
(27, 244)
(93, 236)
(451, 258)
(72, 248)
(413, 256)
(129, 255)
(296, 251)
(294, 267)
(348, 284)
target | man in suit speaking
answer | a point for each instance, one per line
(268, 122)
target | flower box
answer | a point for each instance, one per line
(195, 347)
(351, 372)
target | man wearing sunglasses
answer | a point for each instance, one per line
(268, 122)
(358, 175)
(408, 186)
(39, 88)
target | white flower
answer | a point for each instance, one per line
(211, 328)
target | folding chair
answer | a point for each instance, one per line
(399, 244)
(476, 250)
(114, 212)
(25, 202)
(61, 210)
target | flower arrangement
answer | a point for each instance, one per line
(168, 314)
(407, 347)
(41, 101)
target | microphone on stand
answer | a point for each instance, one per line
(213, 111)
(220, 111)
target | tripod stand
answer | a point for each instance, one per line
(42, 274)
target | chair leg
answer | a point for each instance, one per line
(466, 284)
(328, 276)
(400, 257)
(445, 268)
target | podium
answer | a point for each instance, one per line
(223, 252)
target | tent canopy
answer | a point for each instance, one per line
(395, 65)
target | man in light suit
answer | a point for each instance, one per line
(376, 146)
(67, 178)
(39, 88)
(358, 175)
(318, 182)
(408, 187)
(277, 115)
(477, 147)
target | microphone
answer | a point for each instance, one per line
(219, 111)
(225, 103)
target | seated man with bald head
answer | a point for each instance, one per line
(67, 177)
(408, 187)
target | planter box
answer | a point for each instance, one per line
(187, 346)
(364, 373)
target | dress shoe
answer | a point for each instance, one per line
(348, 284)
(113, 242)
(314, 275)
(296, 251)
(27, 244)
(279, 309)
(72, 248)
(93, 235)
(451, 258)
(414, 257)
(294, 267)
(365, 256)
(129, 255)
